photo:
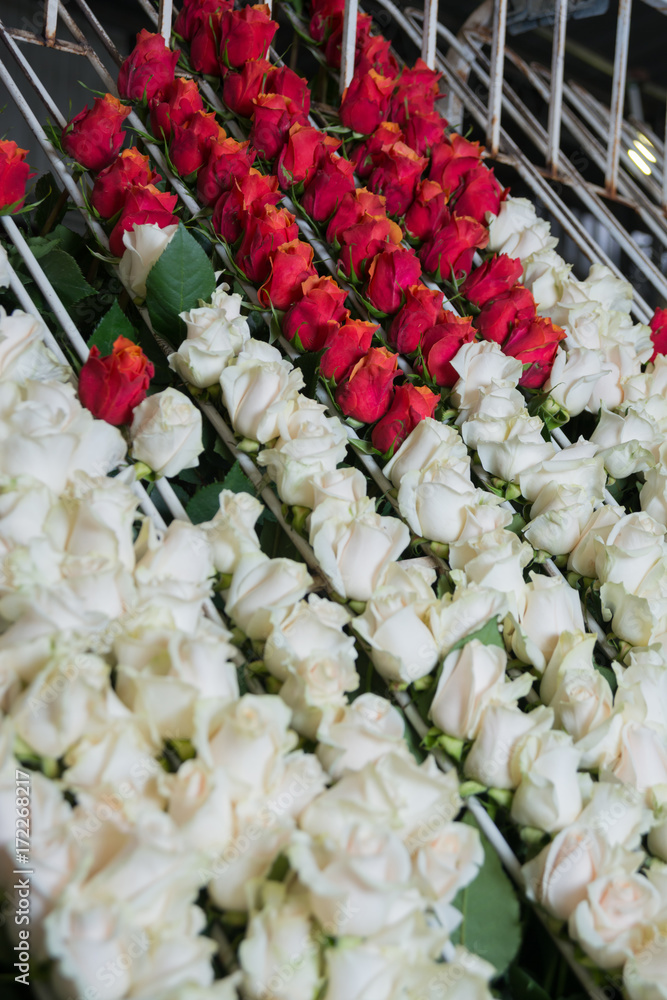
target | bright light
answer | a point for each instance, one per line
(644, 139)
(646, 153)
(637, 160)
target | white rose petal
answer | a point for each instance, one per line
(166, 433)
(144, 244)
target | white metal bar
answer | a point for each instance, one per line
(496, 84)
(556, 102)
(164, 22)
(664, 166)
(349, 43)
(430, 33)
(32, 77)
(51, 22)
(618, 93)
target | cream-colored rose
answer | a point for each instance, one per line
(642, 762)
(23, 354)
(608, 289)
(640, 618)
(258, 389)
(583, 555)
(653, 494)
(231, 532)
(429, 442)
(396, 627)
(354, 545)
(644, 975)
(101, 514)
(144, 245)
(618, 813)
(222, 316)
(558, 518)
(521, 447)
(314, 686)
(573, 652)
(608, 922)
(503, 729)
(359, 733)
(632, 548)
(642, 689)
(521, 243)
(119, 753)
(573, 377)
(340, 484)
(626, 442)
(260, 836)
(261, 586)
(495, 560)
(166, 433)
(198, 801)
(181, 552)
(436, 500)
(545, 273)
(552, 607)
(576, 465)
(514, 215)
(496, 409)
(582, 701)
(448, 861)
(549, 795)
(467, 611)
(481, 365)
(309, 627)
(202, 358)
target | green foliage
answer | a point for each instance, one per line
(113, 324)
(65, 275)
(177, 281)
(237, 481)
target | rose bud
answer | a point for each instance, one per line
(390, 274)
(246, 34)
(334, 44)
(14, 175)
(148, 69)
(452, 159)
(422, 309)
(93, 138)
(441, 343)
(322, 303)
(658, 329)
(205, 43)
(285, 81)
(395, 175)
(142, 205)
(345, 346)
(453, 248)
(111, 386)
(428, 212)
(416, 92)
(291, 265)
(491, 279)
(180, 100)
(112, 184)
(326, 189)
(535, 342)
(264, 233)
(322, 17)
(273, 117)
(367, 392)
(192, 142)
(505, 313)
(247, 194)
(365, 102)
(227, 159)
(302, 154)
(190, 12)
(410, 405)
(422, 132)
(479, 193)
(361, 243)
(365, 154)
(375, 54)
(239, 90)
(359, 206)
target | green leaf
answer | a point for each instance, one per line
(524, 986)
(204, 504)
(65, 275)
(179, 278)
(113, 324)
(309, 364)
(47, 191)
(237, 481)
(491, 926)
(488, 635)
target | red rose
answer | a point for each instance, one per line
(411, 403)
(302, 154)
(205, 43)
(375, 54)
(441, 343)
(285, 81)
(111, 387)
(478, 194)
(344, 347)
(248, 194)
(422, 309)
(326, 189)
(321, 308)
(419, 83)
(390, 274)
(142, 205)
(365, 102)
(322, 15)
(273, 117)
(113, 183)
(148, 69)
(359, 206)
(364, 156)
(263, 233)
(180, 100)
(658, 327)
(505, 313)
(192, 142)
(395, 176)
(452, 159)
(227, 159)
(93, 138)
(129, 220)
(360, 244)
(246, 34)
(334, 43)
(423, 132)
(428, 212)
(491, 279)
(367, 392)
(535, 342)
(453, 248)
(191, 10)
(14, 175)
(291, 265)
(239, 90)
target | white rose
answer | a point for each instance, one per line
(605, 287)
(639, 618)
(181, 552)
(448, 861)
(642, 762)
(166, 433)
(502, 731)
(119, 753)
(260, 837)
(222, 318)
(558, 517)
(632, 548)
(312, 626)
(532, 239)
(643, 685)
(653, 494)
(644, 975)
(429, 442)
(257, 391)
(314, 686)
(339, 484)
(583, 555)
(608, 922)
(435, 501)
(552, 607)
(359, 733)
(414, 575)
(549, 795)
(573, 652)
(198, 801)
(354, 545)
(279, 954)
(618, 813)
(101, 514)
(625, 442)
(497, 408)
(495, 560)
(229, 305)
(514, 216)
(28, 510)
(212, 341)
(521, 447)
(582, 701)
(545, 273)
(573, 376)
(231, 531)
(261, 586)
(480, 365)
(395, 626)
(576, 465)
(144, 244)
(23, 354)
(468, 611)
